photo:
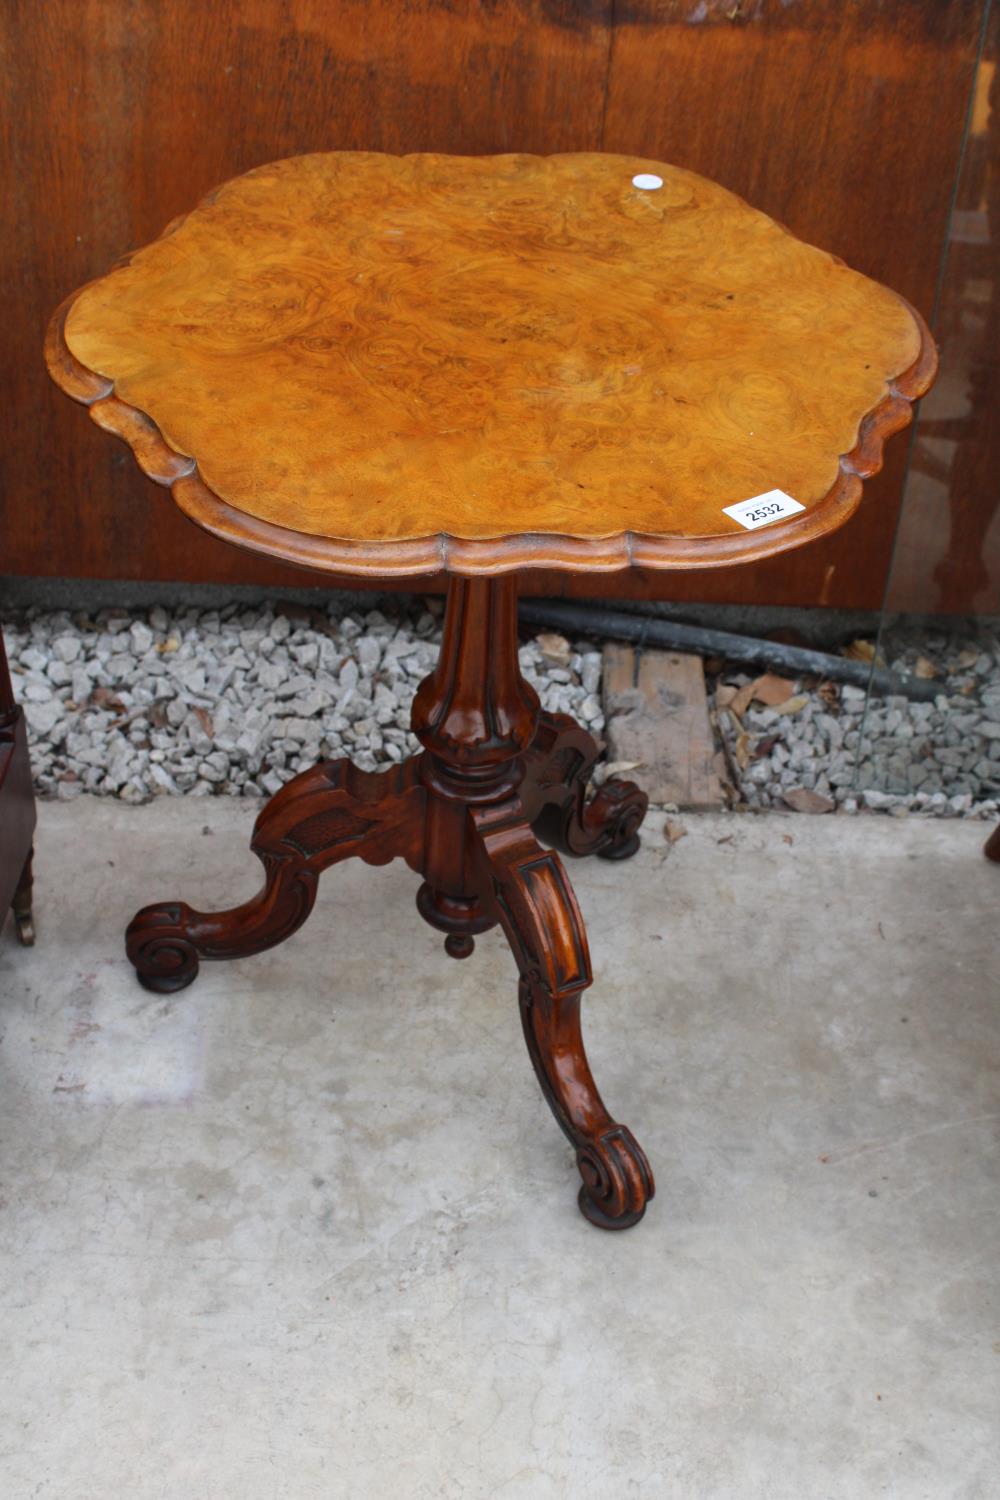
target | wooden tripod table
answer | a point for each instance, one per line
(396, 367)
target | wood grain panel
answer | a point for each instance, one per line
(380, 363)
(844, 121)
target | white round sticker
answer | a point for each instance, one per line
(647, 181)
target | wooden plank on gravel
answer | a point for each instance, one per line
(658, 717)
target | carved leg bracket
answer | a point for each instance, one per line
(558, 767)
(326, 814)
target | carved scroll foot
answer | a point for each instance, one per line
(327, 814)
(558, 767)
(21, 905)
(166, 942)
(539, 914)
(617, 1180)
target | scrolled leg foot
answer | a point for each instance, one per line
(557, 770)
(539, 914)
(165, 942)
(325, 815)
(616, 811)
(617, 1180)
(158, 945)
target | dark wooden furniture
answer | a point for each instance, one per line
(992, 847)
(390, 366)
(17, 810)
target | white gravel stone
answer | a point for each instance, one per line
(938, 758)
(42, 717)
(66, 648)
(369, 654)
(141, 637)
(234, 701)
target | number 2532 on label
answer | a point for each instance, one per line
(761, 510)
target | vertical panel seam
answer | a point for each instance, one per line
(612, 25)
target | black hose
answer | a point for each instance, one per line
(613, 625)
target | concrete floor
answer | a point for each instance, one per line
(308, 1229)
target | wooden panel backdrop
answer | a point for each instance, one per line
(844, 118)
(947, 555)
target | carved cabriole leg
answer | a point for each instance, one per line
(491, 765)
(542, 921)
(329, 813)
(21, 904)
(557, 768)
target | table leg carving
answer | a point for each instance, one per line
(540, 916)
(558, 767)
(327, 814)
(460, 814)
(21, 904)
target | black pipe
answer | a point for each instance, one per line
(613, 625)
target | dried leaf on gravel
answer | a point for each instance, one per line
(803, 800)
(742, 699)
(618, 767)
(724, 694)
(769, 689)
(772, 689)
(105, 697)
(742, 751)
(555, 649)
(793, 705)
(859, 651)
(925, 668)
(673, 831)
(205, 720)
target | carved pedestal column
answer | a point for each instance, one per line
(475, 716)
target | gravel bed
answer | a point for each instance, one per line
(234, 701)
(940, 758)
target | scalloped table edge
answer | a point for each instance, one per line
(484, 556)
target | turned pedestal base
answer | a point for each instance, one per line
(496, 775)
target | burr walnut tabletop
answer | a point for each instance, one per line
(393, 365)
(383, 365)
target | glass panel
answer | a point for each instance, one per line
(945, 755)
